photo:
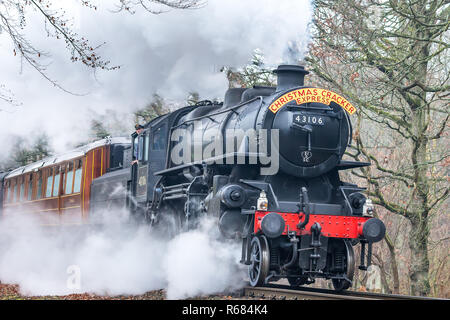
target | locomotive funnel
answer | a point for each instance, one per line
(290, 76)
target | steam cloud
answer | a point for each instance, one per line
(171, 54)
(116, 259)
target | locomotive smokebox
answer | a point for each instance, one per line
(290, 76)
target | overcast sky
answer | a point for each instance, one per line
(171, 54)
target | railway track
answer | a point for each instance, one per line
(282, 292)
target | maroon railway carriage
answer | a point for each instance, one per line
(57, 189)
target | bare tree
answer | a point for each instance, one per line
(7, 95)
(14, 16)
(157, 6)
(391, 57)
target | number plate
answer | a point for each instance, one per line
(310, 119)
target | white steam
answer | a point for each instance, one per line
(172, 54)
(116, 259)
(208, 265)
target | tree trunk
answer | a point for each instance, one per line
(394, 265)
(396, 281)
(419, 219)
(419, 269)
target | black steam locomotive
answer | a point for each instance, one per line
(265, 163)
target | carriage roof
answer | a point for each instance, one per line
(78, 152)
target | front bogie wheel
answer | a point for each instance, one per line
(259, 261)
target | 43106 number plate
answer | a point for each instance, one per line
(315, 120)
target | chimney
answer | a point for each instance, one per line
(290, 76)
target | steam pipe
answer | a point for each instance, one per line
(294, 254)
(304, 206)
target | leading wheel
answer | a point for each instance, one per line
(349, 268)
(260, 260)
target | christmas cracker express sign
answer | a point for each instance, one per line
(307, 95)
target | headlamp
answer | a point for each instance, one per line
(263, 203)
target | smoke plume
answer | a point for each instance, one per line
(172, 54)
(115, 259)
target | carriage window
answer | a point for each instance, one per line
(30, 187)
(22, 189)
(10, 191)
(48, 192)
(14, 193)
(77, 181)
(69, 179)
(5, 194)
(56, 183)
(39, 186)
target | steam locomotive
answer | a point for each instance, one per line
(265, 163)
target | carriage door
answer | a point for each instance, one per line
(157, 156)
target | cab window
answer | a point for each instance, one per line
(140, 148)
(146, 143)
(135, 147)
(158, 142)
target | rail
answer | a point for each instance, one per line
(282, 292)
